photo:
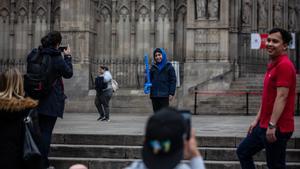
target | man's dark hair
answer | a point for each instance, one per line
(286, 36)
(51, 39)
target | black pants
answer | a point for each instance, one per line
(47, 124)
(102, 103)
(159, 103)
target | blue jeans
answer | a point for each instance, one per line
(256, 141)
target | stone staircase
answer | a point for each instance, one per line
(118, 151)
(233, 100)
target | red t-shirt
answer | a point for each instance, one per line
(280, 73)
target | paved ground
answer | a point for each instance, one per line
(85, 123)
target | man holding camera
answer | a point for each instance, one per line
(166, 143)
(52, 105)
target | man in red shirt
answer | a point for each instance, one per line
(274, 123)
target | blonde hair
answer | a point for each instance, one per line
(12, 85)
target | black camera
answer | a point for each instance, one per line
(62, 48)
(187, 114)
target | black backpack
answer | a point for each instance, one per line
(38, 80)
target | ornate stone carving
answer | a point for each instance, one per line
(292, 17)
(143, 9)
(213, 36)
(123, 9)
(180, 12)
(4, 10)
(213, 50)
(262, 13)
(201, 8)
(213, 9)
(104, 9)
(201, 36)
(56, 12)
(40, 9)
(179, 3)
(246, 13)
(40, 4)
(162, 8)
(278, 13)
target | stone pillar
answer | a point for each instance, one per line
(132, 29)
(77, 32)
(12, 29)
(48, 16)
(113, 29)
(30, 30)
(190, 30)
(152, 24)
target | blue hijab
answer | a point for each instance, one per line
(164, 60)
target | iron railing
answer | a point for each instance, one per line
(8, 63)
(128, 72)
(244, 94)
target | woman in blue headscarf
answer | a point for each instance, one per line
(163, 79)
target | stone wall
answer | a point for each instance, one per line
(205, 36)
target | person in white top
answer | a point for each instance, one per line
(165, 144)
(104, 93)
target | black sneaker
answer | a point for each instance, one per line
(105, 119)
(100, 118)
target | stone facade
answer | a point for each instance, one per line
(206, 36)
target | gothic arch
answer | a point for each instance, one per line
(105, 13)
(143, 12)
(162, 11)
(123, 12)
(41, 13)
(180, 11)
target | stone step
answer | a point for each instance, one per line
(134, 152)
(137, 140)
(103, 163)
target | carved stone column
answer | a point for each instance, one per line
(76, 30)
(132, 29)
(12, 29)
(30, 31)
(152, 28)
(172, 32)
(113, 28)
(49, 15)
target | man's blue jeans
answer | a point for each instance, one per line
(256, 141)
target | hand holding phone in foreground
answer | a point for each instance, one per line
(190, 147)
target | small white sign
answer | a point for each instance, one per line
(255, 40)
(293, 41)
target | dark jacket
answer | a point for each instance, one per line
(54, 104)
(100, 84)
(13, 112)
(163, 78)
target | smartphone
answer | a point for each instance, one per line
(62, 48)
(187, 114)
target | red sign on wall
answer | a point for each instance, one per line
(263, 43)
